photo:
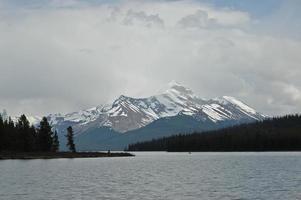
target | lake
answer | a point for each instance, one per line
(156, 175)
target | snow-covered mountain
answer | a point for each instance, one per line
(4, 115)
(127, 113)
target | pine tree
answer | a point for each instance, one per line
(70, 141)
(33, 134)
(2, 142)
(25, 135)
(11, 135)
(45, 136)
(56, 143)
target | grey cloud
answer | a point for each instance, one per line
(142, 18)
(114, 14)
(62, 60)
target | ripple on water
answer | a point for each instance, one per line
(156, 176)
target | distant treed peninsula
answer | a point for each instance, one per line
(275, 134)
(20, 140)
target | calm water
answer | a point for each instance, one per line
(155, 176)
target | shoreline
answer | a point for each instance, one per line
(57, 155)
(246, 151)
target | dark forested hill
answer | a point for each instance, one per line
(276, 134)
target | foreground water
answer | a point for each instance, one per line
(155, 176)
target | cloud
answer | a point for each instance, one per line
(63, 57)
(198, 20)
(141, 18)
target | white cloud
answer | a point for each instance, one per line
(63, 59)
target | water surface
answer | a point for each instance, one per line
(155, 176)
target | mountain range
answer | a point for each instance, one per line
(127, 120)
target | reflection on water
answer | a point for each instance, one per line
(155, 176)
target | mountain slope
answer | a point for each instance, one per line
(160, 128)
(107, 139)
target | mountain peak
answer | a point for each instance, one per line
(178, 89)
(120, 99)
(173, 83)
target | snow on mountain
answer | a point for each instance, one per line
(127, 113)
(34, 120)
(4, 114)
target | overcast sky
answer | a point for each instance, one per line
(66, 55)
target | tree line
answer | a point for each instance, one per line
(275, 134)
(21, 136)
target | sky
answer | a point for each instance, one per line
(59, 56)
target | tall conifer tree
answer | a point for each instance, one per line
(25, 135)
(56, 143)
(45, 136)
(70, 141)
(1, 133)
